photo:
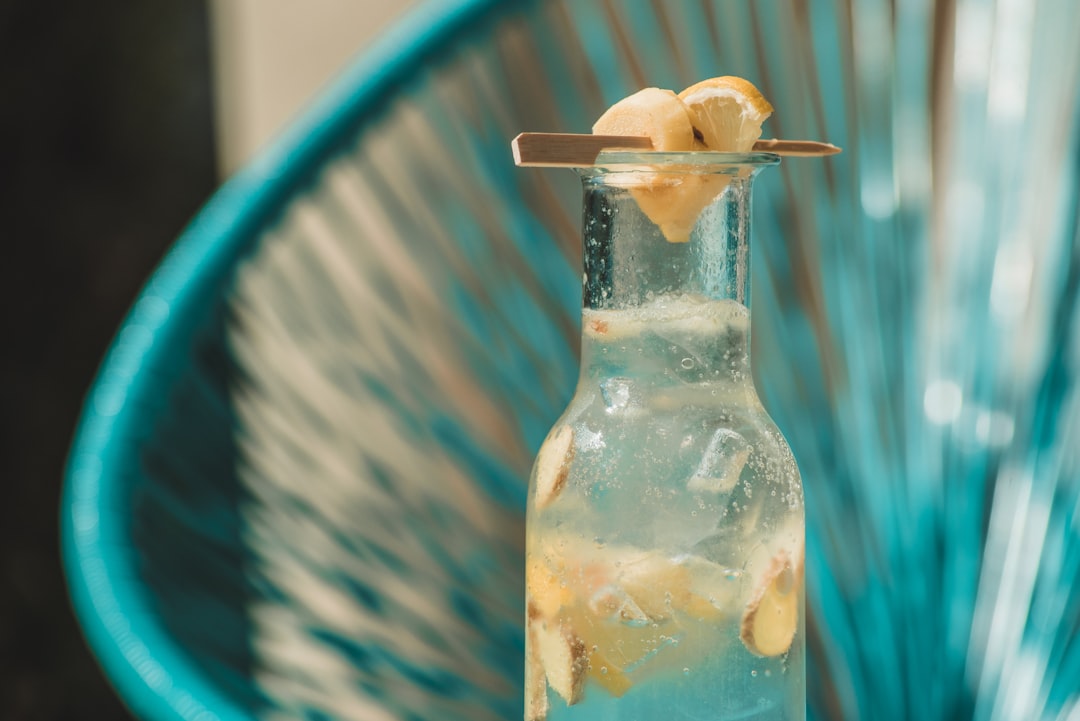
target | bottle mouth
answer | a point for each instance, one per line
(697, 162)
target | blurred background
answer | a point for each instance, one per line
(119, 118)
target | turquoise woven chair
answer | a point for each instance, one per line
(297, 488)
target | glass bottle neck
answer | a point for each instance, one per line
(666, 288)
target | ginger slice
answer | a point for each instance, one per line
(672, 202)
(653, 113)
(675, 202)
(553, 466)
(547, 594)
(536, 700)
(564, 658)
(772, 615)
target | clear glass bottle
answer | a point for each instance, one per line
(665, 529)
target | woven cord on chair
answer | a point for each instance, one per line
(297, 490)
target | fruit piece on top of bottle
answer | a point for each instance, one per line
(727, 113)
(653, 113)
(772, 614)
(672, 202)
(553, 465)
(721, 114)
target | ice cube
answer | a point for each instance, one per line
(614, 603)
(621, 396)
(717, 585)
(616, 393)
(721, 464)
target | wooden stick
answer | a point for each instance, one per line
(571, 150)
(796, 148)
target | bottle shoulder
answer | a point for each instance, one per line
(692, 440)
(616, 406)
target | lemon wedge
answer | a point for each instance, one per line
(726, 112)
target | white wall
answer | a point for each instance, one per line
(271, 56)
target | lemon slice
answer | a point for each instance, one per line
(727, 113)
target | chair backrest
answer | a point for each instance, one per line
(297, 488)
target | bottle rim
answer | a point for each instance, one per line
(694, 162)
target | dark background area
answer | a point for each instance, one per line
(106, 152)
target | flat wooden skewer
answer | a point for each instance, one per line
(562, 150)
